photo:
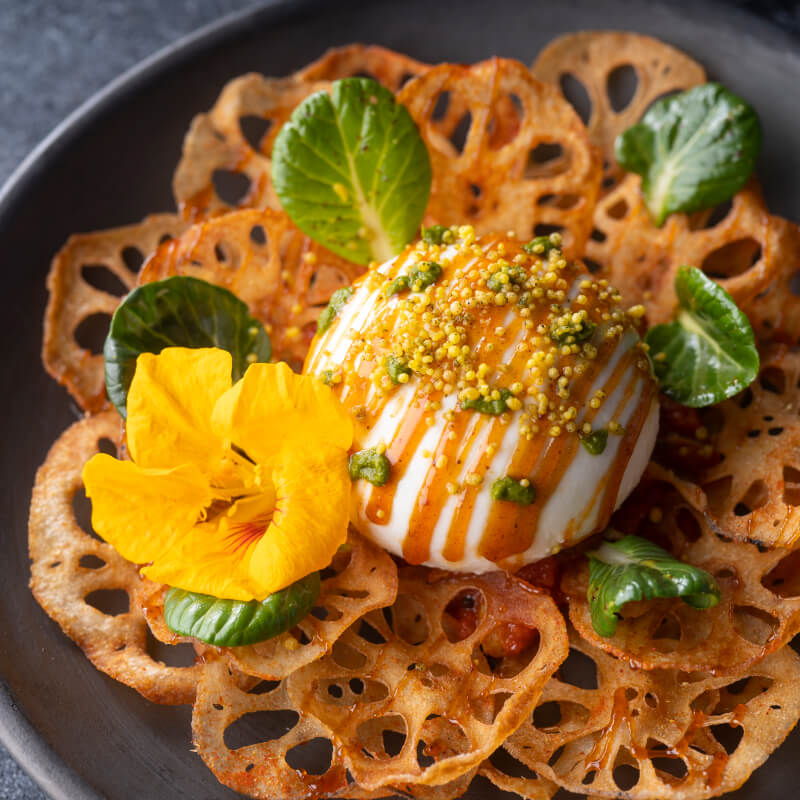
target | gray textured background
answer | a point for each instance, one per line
(54, 54)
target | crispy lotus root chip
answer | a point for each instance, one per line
(604, 728)
(730, 244)
(78, 283)
(597, 62)
(74, 574)
(225, 161)
(426, 690)
(389, 68)
(265, 767)
(280, 753)
(753, 492)
(507, 152)
(362, 577)
(285, 278)
(759, 610)
(775, 312)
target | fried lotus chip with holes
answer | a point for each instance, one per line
(641, 260)
(361, 578)
(517, 779)
(285, 278)
(73, 299)
(759, 609)
(416, 674)
(596, 59)
(508, 153)
(391, 69)
(775, 312)
(225, 162)
(64, 575)
(262, 769)
(267, 769)
(753, 493)
(685, 736)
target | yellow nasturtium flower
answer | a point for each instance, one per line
(233, 491)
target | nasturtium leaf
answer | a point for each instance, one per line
(232, 623)
(708, 353)
(352, 171)
(634, 569)
(179, 312)
(693, 150)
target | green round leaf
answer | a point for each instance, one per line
(708, 353)
(232, 623)
(693, 150)
(634, 569)
(352, 171)
(179, 312)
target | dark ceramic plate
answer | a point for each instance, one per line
(80, 734)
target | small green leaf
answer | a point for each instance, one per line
(693, 150)
(370, 465)
(595, 442)
(179, 312)
(351, 170)
(512, 490)
(396, 367)
(708, 353)
(437, 234)
(633, 569)
(337, 302)
(419, 278)
(233, 623)
(487, 405)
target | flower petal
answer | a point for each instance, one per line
(143, 512)
(311, 516)
(272, 405)
(308, 524)
(170, 402)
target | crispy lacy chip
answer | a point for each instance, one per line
(759, 610)
(225, 161)
(361, 578)
(753, 492)
(391, 69)
(425, 691)
(590, 69)
(604, 728)
(731, 244)
(775, 312)
(285, 278)
(259, 760)
(280, 753)
(508, 153)
(87, 278)
(510, 775)
(75, 575)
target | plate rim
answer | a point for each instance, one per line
(24, 743)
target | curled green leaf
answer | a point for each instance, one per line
(233, 623)
(708, 353)
(352, 171)
(634, 569)
(693, 150)
(179, 312)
